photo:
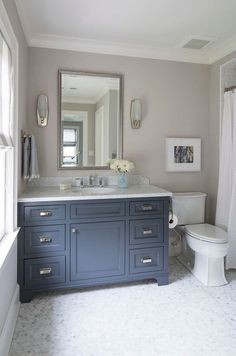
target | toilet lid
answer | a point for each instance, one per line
(207, 232)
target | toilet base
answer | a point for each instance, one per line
(209, 271)
(186, 261)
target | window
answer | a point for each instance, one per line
(6, 140)
(71, 146)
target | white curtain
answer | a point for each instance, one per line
(226, 198)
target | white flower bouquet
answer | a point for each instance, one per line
(121, 165)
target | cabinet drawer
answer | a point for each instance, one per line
(41, 239)
(146, 260)
(146, 207)
(43, 213)
(45, 271)
(97, 210)
(146, 231)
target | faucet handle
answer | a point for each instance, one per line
(91, 180)
(79, 182)
(101, 182)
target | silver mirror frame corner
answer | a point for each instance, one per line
(121, 125)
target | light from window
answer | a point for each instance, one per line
(6, 134)
(2, 193)
(70, 146)
(69, 136)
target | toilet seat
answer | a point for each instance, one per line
(208, 233)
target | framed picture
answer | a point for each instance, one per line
(183, 154)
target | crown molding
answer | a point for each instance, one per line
(120, 49)
(73, 100)
(208, 55)
(220, 50)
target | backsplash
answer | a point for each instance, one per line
(108, 180)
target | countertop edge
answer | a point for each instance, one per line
(65, 196)
(94, 197)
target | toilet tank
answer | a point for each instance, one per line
(189, 207)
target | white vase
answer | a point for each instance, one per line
(122, 180)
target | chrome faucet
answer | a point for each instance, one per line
(91, 181)
(79, 182)
(100, 182)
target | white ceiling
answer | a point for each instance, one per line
(142, 28)
(86, 89)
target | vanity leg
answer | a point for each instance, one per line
(162, 280)
(26, 296)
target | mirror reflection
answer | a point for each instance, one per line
(90, 119)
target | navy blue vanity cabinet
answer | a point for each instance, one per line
(75, 244)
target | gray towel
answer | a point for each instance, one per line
(26, 158)
(30, 160)
(33, 167)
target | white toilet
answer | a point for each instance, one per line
(204, 245)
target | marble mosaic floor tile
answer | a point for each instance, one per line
(184, 318)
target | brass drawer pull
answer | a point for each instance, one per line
(146, 259)
(147, 207)
(45, 239)
(147, 231)
(45, 213)
(45, 270)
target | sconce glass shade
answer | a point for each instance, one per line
(135, 113)
(42, 110)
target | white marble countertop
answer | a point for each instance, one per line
(39, 194)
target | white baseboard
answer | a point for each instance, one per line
(9, 326)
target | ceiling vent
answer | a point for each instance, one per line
(196, 43)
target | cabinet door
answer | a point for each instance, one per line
(97, 249)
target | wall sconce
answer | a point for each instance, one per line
(42, 110)
(135, 113)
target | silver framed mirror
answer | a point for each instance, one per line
(90, 123)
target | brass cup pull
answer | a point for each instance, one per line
(146, 260)
(147, 207)
(147, 231)
(45, 270)
(45, 239)
(45, 213)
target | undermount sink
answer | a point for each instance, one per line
(95, 190)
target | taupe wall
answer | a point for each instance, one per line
(175, 98)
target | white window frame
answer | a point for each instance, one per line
(12, 162)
